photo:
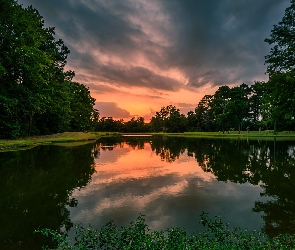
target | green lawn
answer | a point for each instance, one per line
(67, 137)
(81, 137)
(265, 135)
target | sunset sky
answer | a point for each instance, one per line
(139, 55)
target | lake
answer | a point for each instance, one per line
(171, 180)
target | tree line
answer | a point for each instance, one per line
(37, 95)
(263, 105)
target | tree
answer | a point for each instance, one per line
(192, 121)
(281, 58)
(156, 123)
(256, 104)
(83, 115)
(219, 107)
(238, 105)
(36, 93)
(169, 119)
(175, 122)
(204, 114)
(279, 98)
(279, 101)
(135, 125)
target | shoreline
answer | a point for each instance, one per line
(60, 138)
(84, 137)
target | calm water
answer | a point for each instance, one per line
(169, 180)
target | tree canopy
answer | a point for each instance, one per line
(37, 95)
(281, 58)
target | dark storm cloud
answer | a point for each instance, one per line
(111, 109)
(140, 42)
(221, 42)
(185, 105)
(139, 77)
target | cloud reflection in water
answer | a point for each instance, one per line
(131, 181)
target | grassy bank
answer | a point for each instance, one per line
(263, 135)
(65, 138)
(80, 137)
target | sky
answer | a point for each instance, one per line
(137, 56)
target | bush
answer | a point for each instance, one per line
(137, 235)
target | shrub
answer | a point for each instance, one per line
(137, 235)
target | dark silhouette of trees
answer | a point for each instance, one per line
(279, 98)
(35, 189)
(281, 58)
(37, 95)
(269, 164)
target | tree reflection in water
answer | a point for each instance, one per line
(35, 186)
(268, 164)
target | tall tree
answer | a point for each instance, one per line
(281, 58)
(279, 101)
(83, 115)
(36, 92)
(204, 114)
(279, 98)
(238, 105)
(256, 104)
(219, 107)
(175, 122)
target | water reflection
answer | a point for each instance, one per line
(169, 179)
(269, 164)
(172, 180)
(35, 189)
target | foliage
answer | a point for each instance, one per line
(137, 235)
(265, 163)
(134, 125)
(281, 58)
(37, 96)
(219, 107)
(36, 188)
(279, 101)
(204, 115)
(169, 119)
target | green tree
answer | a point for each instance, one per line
(281, 58)
(256, 104)
(279, 101)
(156, 123)
(279, 98)
(36, 93)
(31, 60)
(219, 107)
(192, 121)
(169, 119)
(204, 114)
(83, 115)
(108, 124)
(238, 105)
(175, 122)
(135, 125)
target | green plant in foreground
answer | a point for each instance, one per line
(137, 235)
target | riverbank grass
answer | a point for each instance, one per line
(66, 137)
(263, 135)
(71, 137)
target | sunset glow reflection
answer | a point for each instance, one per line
(130, 180)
